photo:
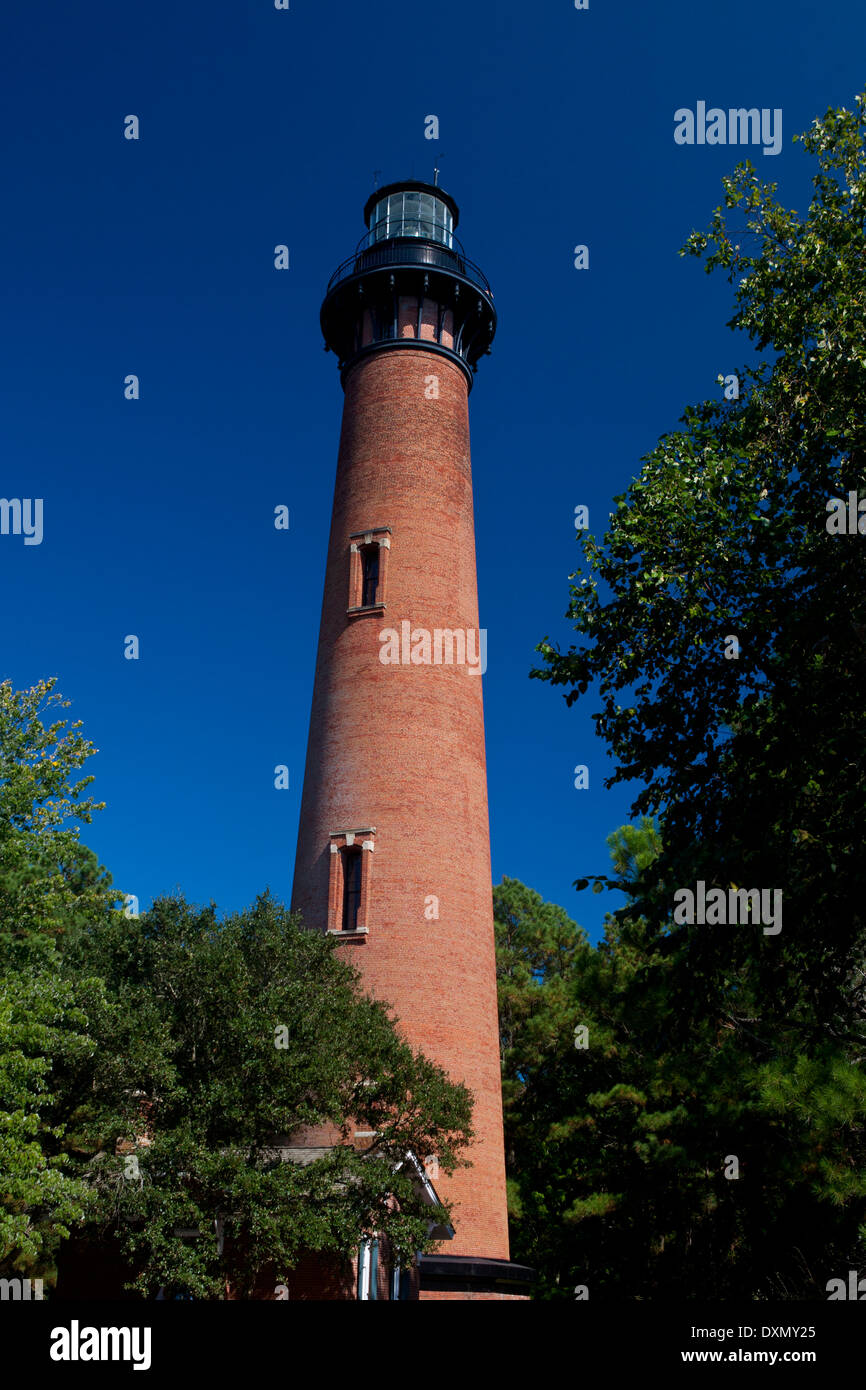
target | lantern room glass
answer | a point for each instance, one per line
(411, 213)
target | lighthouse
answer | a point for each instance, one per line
(393, 854)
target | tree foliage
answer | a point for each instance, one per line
(718, 1040)
(229, 1037)
(649, 1161)
(756, 764)
(49, 885)
(153, 1069)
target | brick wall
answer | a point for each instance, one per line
(401, 748)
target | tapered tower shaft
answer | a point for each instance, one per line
(393, 848)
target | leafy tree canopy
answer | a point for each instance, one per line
(228, 1038)
(153, 1069)
(720, 624)
(755, 763)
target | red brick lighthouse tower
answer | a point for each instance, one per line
(393, 848)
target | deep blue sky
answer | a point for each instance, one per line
(155, 257)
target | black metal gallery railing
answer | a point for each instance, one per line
(410, 251)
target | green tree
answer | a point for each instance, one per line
(45, 1023)
(48, 879)
(227, 1037)
(621, 1138)
(537, 946)
(49, 884)
(152, 1069)
(753, 763)
(574, 1082)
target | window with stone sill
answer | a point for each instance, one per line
(351, 887)
(368, 565)
(349, 883)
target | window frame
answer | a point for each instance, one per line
(353, 869)
(362, 839)
(368, 1269)
(370, 575)
(359, 541)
